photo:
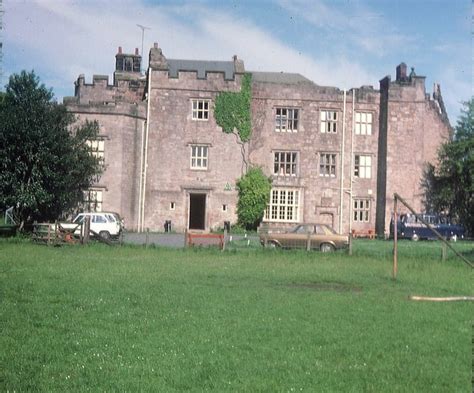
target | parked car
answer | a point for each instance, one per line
(410, 226)
(321, 237)
(106, 224)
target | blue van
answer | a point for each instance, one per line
(409, 226)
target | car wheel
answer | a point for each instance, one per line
(272, 245)
(105, 234)
(415, 237)
(326, 247)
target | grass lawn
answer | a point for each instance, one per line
(97, 318)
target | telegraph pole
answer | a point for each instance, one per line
(143, 28)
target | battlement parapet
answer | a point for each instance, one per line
(126, 89)
(135, 110)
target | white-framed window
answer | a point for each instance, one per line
(363, 123)
(363, 166)
(286, 119)
(283, 205)
(361, 210)
(200, 109)
(327, 164)
(97, 148)
(92, 200)
(199, 156)
(329, 122)
(285, 163)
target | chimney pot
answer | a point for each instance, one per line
(234, 57)
(136, 52)
(120, 50)
(155, 45)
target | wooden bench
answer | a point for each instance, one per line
(205, 239)
(367, 234)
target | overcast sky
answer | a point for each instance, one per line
(343, 43)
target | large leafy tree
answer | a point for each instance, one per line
(45, 162)
(449, 187)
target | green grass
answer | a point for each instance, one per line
(97, 318)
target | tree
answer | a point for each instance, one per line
(254, 193)
(45, 162)
(449, 186)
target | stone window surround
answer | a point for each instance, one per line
(324, 165)
(203, 111)
(199, 156)
(284, 205)
(361, 209)
(328, 120)
(363, 125)
(289, 121)
(285, 163)
(363, 168)
(97, 147)
(93, 199)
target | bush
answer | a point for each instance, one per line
(254, 192)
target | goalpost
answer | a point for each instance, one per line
(397, 198)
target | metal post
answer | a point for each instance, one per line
(308, 242)
(225, 237)
(147, 238)
(395, 238)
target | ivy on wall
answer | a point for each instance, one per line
(232, 110)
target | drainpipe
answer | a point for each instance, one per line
(140, 188)
(145, 163)
(341, 193)
(352, 161)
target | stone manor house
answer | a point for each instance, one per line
(333, 156)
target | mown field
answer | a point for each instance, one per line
(98, 318)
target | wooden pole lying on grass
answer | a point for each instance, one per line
(438, 235)
(443, 299)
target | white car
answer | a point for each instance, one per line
(105, 224)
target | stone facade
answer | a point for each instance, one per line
(334, 156)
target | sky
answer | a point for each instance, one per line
(342, 43)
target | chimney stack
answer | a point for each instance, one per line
(136, 52)
(402, 72)
(155, 45)
(120, 50)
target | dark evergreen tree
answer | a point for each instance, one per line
(449, 186)
(45, 163)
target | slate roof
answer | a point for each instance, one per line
(201, 67)
(280, 77)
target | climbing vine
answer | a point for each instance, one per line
(232, 110)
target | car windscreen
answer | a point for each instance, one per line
(78, 220)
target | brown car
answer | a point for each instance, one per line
(316, 236)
